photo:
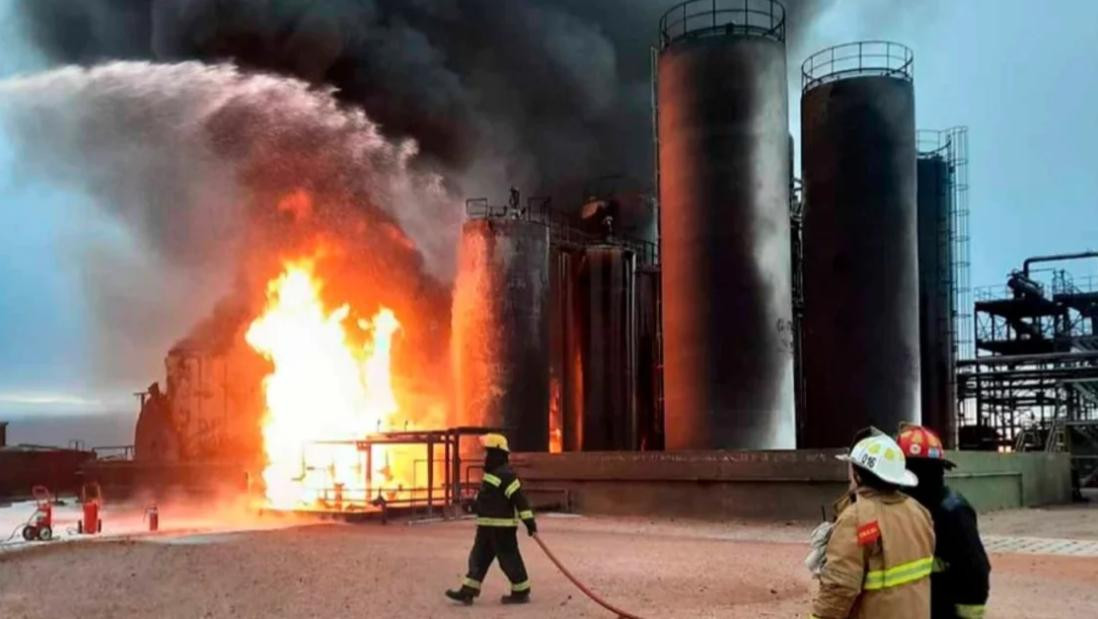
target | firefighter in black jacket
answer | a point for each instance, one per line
(959, 584)
(499, 507)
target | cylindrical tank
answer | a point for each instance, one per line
(608, 348)
(861, 312)
(935, 225)
(724, 225)
(649, 408)
(501, 329)
(565, 366)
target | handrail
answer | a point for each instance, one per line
(880, 58)
(704, 18)
(561, 232)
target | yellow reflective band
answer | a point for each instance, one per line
(511, 488)
(497, 522)
(969, 611)
(527, 514)
(898, 575)
(521, 586)
(492, 479)
(472, 584)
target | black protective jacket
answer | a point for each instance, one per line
(501, 502)
(959, 584)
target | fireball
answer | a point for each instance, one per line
(324, 391)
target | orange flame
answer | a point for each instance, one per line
(322, 388)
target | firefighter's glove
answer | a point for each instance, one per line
(531, 527)
(817, 556)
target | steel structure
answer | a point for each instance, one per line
(724, 177)
(602, 353)
(861, 322)
(446, 480)
(1033, 382)
(796, 254)
(944, 294)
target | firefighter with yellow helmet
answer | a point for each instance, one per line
(499, 507)
(880, 553)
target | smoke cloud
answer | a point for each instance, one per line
(541, 94)
(218, 174)
(398, 107)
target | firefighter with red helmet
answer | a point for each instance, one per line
(959, 584)
(499, 507)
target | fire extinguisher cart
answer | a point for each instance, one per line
(40, 526)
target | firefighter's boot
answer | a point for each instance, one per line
(516, 597)
(464, 595)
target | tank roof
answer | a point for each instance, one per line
(695, 19)
(858, 59)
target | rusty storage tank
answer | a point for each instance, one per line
(608, 348)
(724, 179)
(861, 317)
(649, 373)
(936, 287)
(565, 366)
(500, 320)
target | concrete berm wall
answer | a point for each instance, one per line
(772, 485)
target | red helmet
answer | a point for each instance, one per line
(922, 443)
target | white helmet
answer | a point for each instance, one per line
(880, 455)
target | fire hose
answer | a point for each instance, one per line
(596, 599)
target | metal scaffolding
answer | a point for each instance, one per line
(1033, 382)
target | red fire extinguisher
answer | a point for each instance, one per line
(153, 515)
(92, 497)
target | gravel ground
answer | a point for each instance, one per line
(1076, 521)
(655, 569)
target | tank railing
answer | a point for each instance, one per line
(705, 18)
(538, 209)
(880, 58)
(930, 142)
(535, 209)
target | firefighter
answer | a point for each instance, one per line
(959, 584)
(499, 507)
(881, 548)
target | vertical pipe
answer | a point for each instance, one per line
(430, 475)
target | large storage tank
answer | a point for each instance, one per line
(936, 288)
(565, 365)
(501, 328)
(724, 224)
(608, 348)
(861, 312)
(650, 426)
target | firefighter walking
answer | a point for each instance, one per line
(881, 549)
(500, 506)
(959, 584)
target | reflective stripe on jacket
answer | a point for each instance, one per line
(879, 560)
(501, 502)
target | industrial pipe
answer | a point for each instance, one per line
(1057, 258)
(1019, 359)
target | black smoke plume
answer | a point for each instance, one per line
(542, 94)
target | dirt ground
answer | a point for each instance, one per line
(654, 569)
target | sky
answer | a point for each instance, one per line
(1021, 75)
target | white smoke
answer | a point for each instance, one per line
(189, 158)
